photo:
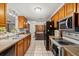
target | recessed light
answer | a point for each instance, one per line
(37, 9)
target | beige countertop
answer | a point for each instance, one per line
(74, 50)
(51, 37)
(6, 43)
(39, 32)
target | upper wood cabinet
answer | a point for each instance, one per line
(21, 22)
(2, 15)
(70, 8)
(77, 7)
(55, 18)
(66, 10)
(62, 13)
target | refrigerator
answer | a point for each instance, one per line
(49, 30)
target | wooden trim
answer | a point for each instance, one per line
(76, 6)
(57, 10)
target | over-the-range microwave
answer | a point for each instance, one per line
(70, 23)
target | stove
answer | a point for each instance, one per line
(57, 46)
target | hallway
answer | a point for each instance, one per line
(37, 48)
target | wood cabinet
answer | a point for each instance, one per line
(70, 8)
(62, 13)
(55, 18)
(29, 40)
(21, 22)
(66, 10)
(66, 53)
(26, 25)
(77, 7)
(2, 15)
(22, 46)
(25, 44)
(39, 36)
(39, 28)
(19, 48)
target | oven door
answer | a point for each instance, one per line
(55, 50)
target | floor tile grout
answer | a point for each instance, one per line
(37, 48)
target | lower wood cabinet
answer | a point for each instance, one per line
(29, 40)
(19, 48)
(25, 44)
(9, 52)
(66, 53)
(22, 46)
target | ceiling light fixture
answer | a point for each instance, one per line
(37, 9)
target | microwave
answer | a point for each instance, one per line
(69, 23)
(63, 24)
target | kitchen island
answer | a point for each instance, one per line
(16, 46)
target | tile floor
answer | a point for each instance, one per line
(37, 48)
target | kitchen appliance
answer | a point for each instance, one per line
(49, 30)
(70, 23)
(57, 46)
(57, 33)
(69, 38)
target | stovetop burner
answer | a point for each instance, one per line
(64, 42)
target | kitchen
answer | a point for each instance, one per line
(39, 29)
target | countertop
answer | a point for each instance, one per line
(6, 43)
(39, 32)
(74, 50)
(53, 37)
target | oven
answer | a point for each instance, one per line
(57, 51)
(57, 46)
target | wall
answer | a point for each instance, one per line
(13, 17)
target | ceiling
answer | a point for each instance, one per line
(27, 10)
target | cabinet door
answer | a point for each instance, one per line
(25, 44)
(56, 18)
(21, 22)
(19, 48)
(61, 13)
(29, 40)
(66, 53)
(78, 7)
(70, 8)
(2, 14)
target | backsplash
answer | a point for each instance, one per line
(2, 29)
(71, 34)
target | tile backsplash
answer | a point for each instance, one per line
(74, 35)
(2, 29)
